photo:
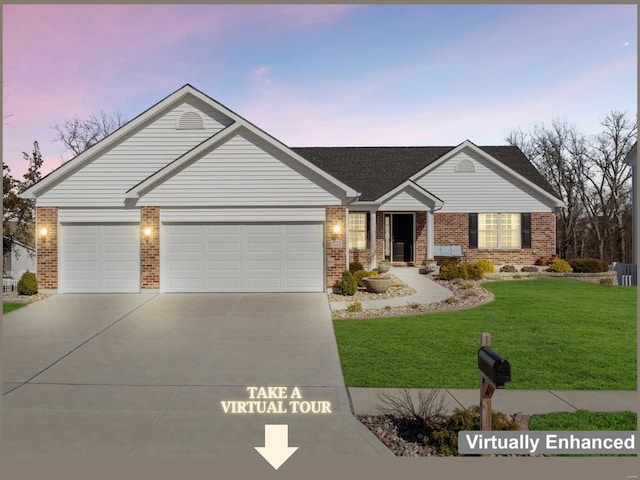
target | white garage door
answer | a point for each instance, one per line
(261, 257)
(99, 258)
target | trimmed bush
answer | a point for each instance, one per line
(559, 266)
(588, 265)
(529, 269)
(448, 271)
(508, 269)
(355, 266)
(486, 266)
(467, 271)
(471, 271)
(28, 284)
(348, 285)
(360, 274)
(445, 438)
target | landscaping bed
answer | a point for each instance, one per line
(465, 294)
(397, 289)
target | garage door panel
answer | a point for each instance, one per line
(99, 258)
(246, 257)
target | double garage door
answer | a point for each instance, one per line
(195, 257)
(260, 257)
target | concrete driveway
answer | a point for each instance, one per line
(145, 375)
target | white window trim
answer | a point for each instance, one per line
(363, 231)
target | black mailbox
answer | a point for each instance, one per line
(494, 366)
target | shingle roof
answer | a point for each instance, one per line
(374, 171)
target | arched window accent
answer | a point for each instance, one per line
(190, 121)
(465, 165)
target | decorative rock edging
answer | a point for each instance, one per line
(583, 277)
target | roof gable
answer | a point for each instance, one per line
(375, 171)
(227, 119)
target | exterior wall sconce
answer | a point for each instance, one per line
(336, 230)
(43, 234)
(147, 234)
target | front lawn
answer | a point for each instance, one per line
(556, 334)
(10, 307)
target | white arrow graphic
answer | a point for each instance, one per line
(276, 448)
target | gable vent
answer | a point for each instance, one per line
(465, 166)
(190, 121)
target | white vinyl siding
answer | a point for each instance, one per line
(79, 215)
(404, 202)
(99, 258)
(357, 230)
(499, 230)
(235, 257)
(243, 171)
(242, 215)
(104, 181)
(487, 189)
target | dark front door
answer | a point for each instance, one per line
(400, 236)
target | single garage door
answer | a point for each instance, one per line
(99, 258)
(257, 257)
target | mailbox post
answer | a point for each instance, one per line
(494, 372)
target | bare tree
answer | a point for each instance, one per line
(77, 134)
(592, 179)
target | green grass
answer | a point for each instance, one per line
(10, 307)
(584, 420)
(556, 334)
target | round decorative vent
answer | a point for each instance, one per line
(465, 166)
(190, 121)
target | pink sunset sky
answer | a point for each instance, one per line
(321, 75)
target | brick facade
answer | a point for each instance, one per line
(453, 229)
(336, 244)
(47, 250)
(150, 248)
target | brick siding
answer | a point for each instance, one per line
(336, 244)
(150, 248)
(453, 229)
(47, 251)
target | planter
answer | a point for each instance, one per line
(383, 267)
(378, 284)
(431, 267)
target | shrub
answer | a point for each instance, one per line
(559, 266)
(445, 438)
(452, 300)
(354, 307)
(606, 281)
(348, 285)
(360, 274)
(448, 271)
(472, 271)
(355, 266)
(486, 266)
(508, 269)
(28, 285)
(529, 268)
(467, 271)
(588, 265)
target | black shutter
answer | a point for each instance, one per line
(473, 230)
(525, 226)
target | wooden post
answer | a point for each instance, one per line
(486, 390)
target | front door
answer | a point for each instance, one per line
(399, 237)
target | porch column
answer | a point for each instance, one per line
(430, 234)
(372, 240)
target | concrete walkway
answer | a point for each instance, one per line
(427, 291)
(529, 402)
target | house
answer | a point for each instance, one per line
(18, 260)
(190, 197)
